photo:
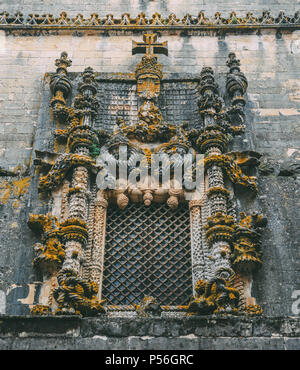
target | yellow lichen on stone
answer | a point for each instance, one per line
(16, 204)
(21, 186)
(15, 188)
(254, 310)
(5, 191)
(39, 310)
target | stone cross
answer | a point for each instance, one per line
(149, 46)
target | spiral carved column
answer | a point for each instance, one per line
(198, 262)
(97, 253)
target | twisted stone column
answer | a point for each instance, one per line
(78, 207)
(97, 252)
(198, 262)
(212, 141)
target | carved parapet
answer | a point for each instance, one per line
(126, 21)
(215, 296)
(75, 295)
(247, 253)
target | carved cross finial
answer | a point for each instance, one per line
(149, 46)
(63, 62)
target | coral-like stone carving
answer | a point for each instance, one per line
(40, 310)
(75, 296)
(254, 310)
(150, 114)
(233, 171)
(247, 253)
(49, 255)
(215, 296)
(86, 99)
(219, 227)
(148, 307)
(62, 165)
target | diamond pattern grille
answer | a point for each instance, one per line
(147, 252)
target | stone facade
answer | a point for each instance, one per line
(269, 55)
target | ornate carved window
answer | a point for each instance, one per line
(165, 246)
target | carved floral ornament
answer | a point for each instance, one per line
(157, 21)
(225, 248)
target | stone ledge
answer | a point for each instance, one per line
(30, 326)
(205, 326)
(123, 333)
(150, 343)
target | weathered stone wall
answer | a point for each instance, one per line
(271, 63)
(165, 7)
(201, 333)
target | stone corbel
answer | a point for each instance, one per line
(62, 165)
(233, 171)
(49, 255)
(48, 259)
(246, 254)
(216, 296)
